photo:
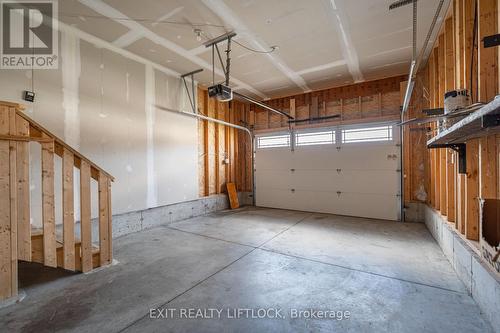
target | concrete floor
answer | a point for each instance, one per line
(390, 276)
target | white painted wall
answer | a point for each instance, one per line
(101, 103)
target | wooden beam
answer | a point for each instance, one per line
(110, 222)
(85, 221)
(6, 274)
(461, 202)
(48, 210)
(450, 184)
(13, 199)
(68, 211)
(442, 70)
(488, 167)
(450, 77)
(449, 55)
(206, 159)
(217, 151)
(443, 200)
(488, 57)
(23, 192)
(314, 111)
(472, 195)
(104, 221)
(469, 63)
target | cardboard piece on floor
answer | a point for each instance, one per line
(233, 195)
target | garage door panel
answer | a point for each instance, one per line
(313, 157)
(277, 198)
(317, 201)
(374, 181)
(312, 201)
(379, 157)
(273, 179)
(319, 180)
(369, 205)
(359, 179)
(268, 157)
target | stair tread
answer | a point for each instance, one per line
(37, 232)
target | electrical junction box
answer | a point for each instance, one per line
(221, 92)
(29, 96)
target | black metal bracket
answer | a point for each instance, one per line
(433, 112)
(462, 156)
(213, 43)
(294, 121)
(491, 41)
(192, 94)
(490, 120)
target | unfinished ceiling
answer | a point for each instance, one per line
(321, 43)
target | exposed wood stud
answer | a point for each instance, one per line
(85, 221)
(488, 57)
(6, 273)
(23, 192)
(13, 200)
(472, 193)
(68, 211)
(48, 208)
(104, 220)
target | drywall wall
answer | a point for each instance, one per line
(102, 104)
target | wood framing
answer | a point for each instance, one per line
(104, 220)
(68, 211)
(48, 206)
(488, 57)
(23, 191)
(7, 275)
(18, 239)
(85, 222)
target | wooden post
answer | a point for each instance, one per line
(442, 181)
(68, 211)
(450, 184)
(468, 20)
(23, 192)
(472, 195)
(488, 57)
(206, 159)
(13, 199)
(104, 220)
(217, 151)
(449, 85)
(6, 275)
(85, 222)
(48, 213)
(488, 167)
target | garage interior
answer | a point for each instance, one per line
(251, 166)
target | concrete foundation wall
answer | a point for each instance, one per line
(414, 212)
(482, 283)
(127, 223)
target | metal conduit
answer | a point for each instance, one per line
(410, 85)
(222, 122)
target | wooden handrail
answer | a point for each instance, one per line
(40, 133)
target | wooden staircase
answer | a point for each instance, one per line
(18, 239)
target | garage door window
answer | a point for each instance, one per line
(382, 133)
(315, 138)
(273, 141)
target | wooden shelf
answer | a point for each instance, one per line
(473, 126)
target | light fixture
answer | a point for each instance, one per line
(198, 34)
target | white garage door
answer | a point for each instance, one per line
(346, 171)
